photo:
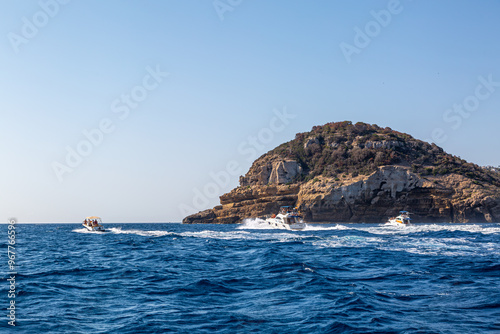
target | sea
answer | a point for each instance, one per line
(175, 278)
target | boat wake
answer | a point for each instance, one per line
(347, 235)
(388, 228)
(118, 230)
(255, 224)
(154, 233)
(261, 224)
(317, 227)
(84, 230)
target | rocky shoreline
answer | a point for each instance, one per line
(371, 197)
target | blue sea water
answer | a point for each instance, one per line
(161, 278)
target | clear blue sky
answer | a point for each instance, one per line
(421, 67)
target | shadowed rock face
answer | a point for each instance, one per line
(374, 198)
(275, 172)
(465, 193)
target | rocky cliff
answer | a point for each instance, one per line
(344, 172)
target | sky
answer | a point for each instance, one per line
(147, 111)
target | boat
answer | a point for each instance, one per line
(93, 224)
(402, 219)
(288, 218)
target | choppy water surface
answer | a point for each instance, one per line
(156, 278)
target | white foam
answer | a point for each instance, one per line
(443, 246)
(208, 234)
(254, 224)
(84, 230)
(241, 235)
(118, 230)
(317, 227)
(349, 241)
(417, 228)
(205, 234)
(458, 246)
(260, 224)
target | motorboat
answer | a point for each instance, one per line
(288, 218)
(93, 224)
(402, 219)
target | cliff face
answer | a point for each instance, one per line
(360, 173)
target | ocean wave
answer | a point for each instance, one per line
(415, 245)
(220, 278)
(244, 235)
(348, 241)
(318, 227)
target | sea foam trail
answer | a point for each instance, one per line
(84, 230)
(489, 228)
(154, 233)
(260, 224)
(118, 230)
(254, 224)
(447, 247)
(317, 227)
(205, 234)
(220, 235)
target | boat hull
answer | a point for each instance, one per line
(98, 228)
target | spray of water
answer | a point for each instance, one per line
(254, 224)
(260, 224)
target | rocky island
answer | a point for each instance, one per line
(344, 172)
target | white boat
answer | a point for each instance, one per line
(402, 219)
(93, 224)
(288, 219)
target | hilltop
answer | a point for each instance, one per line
(344, 172)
